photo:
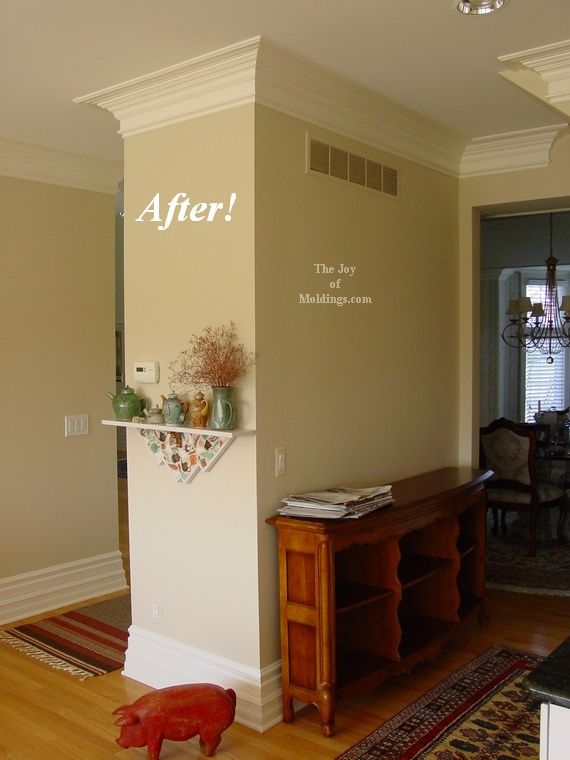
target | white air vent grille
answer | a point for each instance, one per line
(340, 164)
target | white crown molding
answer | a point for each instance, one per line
(258, 71)
(215, 81)
(510, 151)
(57, 167)
(159, 661)
(551, 63)
(38, 591)
(305, 90)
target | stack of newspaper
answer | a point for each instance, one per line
(337, 502)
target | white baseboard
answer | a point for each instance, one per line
(159, 662)
(38, 591)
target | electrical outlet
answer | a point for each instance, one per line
(156, 611)
(280, 461)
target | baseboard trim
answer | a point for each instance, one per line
(28, 594)
(158, 661)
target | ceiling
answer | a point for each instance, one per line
(425, 55)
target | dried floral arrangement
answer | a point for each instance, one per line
(215, 357)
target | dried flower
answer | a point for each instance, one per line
(215, 357)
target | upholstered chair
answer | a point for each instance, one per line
(510, 451)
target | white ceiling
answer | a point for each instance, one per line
(425, 55)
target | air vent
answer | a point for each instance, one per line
(389, 180)
(350, 167)
(373, 175)
(320, 157)
(339, 163)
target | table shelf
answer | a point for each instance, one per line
(415, 568)
(350, 596)
(381, 593)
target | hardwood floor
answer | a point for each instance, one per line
(48, 715)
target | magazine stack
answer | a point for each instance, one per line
(335, 503)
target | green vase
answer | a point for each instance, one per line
(223, 415)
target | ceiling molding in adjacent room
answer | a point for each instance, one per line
(58, 167)
(543, 72)
(512, 151)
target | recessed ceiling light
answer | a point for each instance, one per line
(478, 7)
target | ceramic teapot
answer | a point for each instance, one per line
(173, 410)
(126, 404)
(154, 415)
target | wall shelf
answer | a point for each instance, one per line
(185, 451)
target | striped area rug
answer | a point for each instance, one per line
(480, 712)
(86, 642)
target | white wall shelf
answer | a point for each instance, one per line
(185, 451)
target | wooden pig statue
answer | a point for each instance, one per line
(177, 713)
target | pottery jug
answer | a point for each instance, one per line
(223, 414)
(173, 410)
(126, 404)
(199, 410)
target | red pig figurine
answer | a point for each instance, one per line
(177, 713)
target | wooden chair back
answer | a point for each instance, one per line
(510, 451)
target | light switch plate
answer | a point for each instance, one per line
(76, 424)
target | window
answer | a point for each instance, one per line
(544, 383)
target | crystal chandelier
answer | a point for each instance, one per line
(544, 326)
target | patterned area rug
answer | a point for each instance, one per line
(86, 642)
(510, 568)
(480, 712)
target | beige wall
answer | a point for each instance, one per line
(358, 394)
(194, 546)
(58, 496)
(510, 192)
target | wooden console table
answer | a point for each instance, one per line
(364, 599)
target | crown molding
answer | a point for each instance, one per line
(551, 63)
(510, 151)
(259, 71)
(305, 90)
(57, 167)
(256, 70)
(212, 82)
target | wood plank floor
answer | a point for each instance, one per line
(48, 715)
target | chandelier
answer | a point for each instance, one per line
(543, 326)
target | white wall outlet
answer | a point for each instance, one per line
(280, 461)
(76, 424)
(156, 611)
(146, 372)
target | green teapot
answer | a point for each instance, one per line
(126, 404)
